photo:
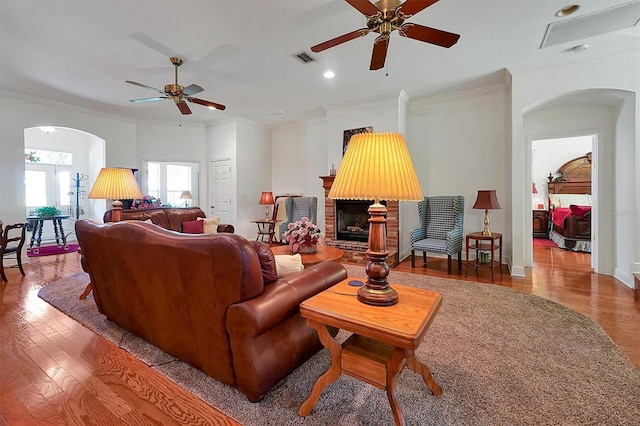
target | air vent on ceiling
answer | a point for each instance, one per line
(592, 24)
(304, 57)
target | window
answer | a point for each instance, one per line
(167, 180)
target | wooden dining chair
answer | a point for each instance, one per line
(12, 240)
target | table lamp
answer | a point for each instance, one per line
(267, 199)
(487, 200)
(377, 166)
(186, 196)
(115, 184)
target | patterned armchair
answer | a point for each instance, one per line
(440, 228)
(297, 208)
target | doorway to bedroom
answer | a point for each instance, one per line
(561, 192)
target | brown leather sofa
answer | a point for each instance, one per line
(166, 217)
(211, 300)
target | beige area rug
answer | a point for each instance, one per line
(502, 357)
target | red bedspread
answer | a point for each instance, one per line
(559, 215)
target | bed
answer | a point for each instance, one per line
(570, 205)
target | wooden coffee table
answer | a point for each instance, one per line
(324, 254)
(385, 337)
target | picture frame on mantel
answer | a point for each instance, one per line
(347, 134)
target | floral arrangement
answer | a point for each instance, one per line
(146, 202)
(302, 232)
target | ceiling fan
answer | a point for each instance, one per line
(177, 93)
(386, 16)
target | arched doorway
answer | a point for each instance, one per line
(58, 165)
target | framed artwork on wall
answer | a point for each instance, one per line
(347, 134)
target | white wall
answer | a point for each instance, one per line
(298, 159)
(254, 175)
(459, 145)
(534, 87)
(626, 215)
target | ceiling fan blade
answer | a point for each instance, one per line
(411, 7)
(341, 39)
(183, 107)
(364, 6)
(160, 98)
(145, 86)
(192, 89)
(379, 55)
(207, 103)
(429, 35)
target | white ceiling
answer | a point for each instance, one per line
(80, 52)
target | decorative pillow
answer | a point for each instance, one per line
(193, 227)
(582, 212)
(210, 224)
(565, 200)
(267, 261)
(286, 264)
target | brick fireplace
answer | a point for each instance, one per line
(352, 240)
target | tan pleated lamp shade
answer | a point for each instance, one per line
(376, 166)
(186, 195)
(115, 184)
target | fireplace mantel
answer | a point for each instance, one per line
(355, 252)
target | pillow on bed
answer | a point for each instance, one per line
(565, 200)
(581, 212)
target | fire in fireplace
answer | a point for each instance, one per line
(352, 220)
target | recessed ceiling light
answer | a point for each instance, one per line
(581, 48)
(280, 112)
(48, 129)
(329, 74)
(568, 10)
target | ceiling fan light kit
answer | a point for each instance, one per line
(386, 16)
(179, 94)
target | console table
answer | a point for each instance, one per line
(36, 234)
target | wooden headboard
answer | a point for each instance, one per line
(574, 177)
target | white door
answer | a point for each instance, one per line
(221, 190)
(48, 185)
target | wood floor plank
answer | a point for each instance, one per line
(56, 371)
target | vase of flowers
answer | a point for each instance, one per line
(146, 202)
(302, 236)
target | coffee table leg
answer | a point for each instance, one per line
(329, 376)
(423, 370)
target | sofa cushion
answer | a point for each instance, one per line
(193, 227)
(288, 263)
(210, 224)
(267, 261)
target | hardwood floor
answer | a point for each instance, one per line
(55, 371)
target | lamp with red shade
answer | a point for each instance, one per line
(487, 200)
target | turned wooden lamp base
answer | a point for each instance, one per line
(376, 290)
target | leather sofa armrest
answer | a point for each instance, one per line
(223, 227)
(282, 299)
